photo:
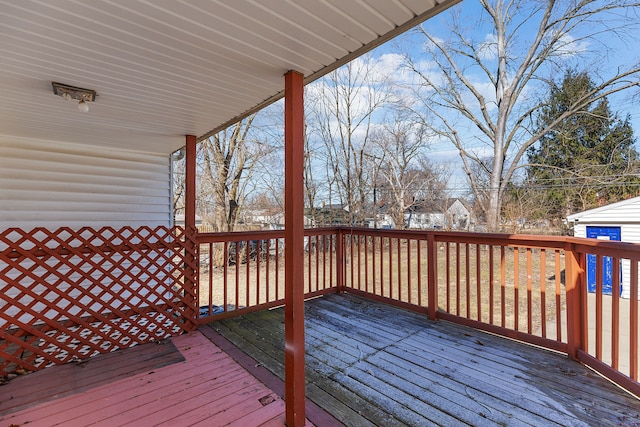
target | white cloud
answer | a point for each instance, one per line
(566, 45)
(488, 49)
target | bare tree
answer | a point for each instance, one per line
(488, 85)
(225, 167)
(342, 116)
(398, 145)
(178, 181)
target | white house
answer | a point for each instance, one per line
(618, 221)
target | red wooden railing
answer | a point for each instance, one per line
(530, 288)
(242, 272)
(67, 295)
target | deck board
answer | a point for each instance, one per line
(372, 364)
(201, 386)
(76, 377)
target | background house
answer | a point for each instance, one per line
(619, 222)
(449, 214)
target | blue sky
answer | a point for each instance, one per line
(601, 55)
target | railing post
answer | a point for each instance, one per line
(294, 249)
(340, 261)
(192, 263)
(574, 277)
(432, 276)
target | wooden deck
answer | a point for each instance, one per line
(372, 364)
(186, 381)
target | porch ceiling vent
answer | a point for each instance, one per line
(84, 96)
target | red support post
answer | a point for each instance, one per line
(191, 261)
(294, 248)
(190, 182)
(575, 318)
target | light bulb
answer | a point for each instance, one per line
(67, 96)
(83, 106)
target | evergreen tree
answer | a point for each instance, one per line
(585, 159)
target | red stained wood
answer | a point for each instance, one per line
(202, 386)
(95, 285)
(294, 247)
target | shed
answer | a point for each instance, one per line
(618, 221)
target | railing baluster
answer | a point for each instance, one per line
(516, 279)
(615, 313)
(529, 290)
(399, 261)
(366, 265)
(467, 280)
(633, 321)
(225, 279)
(267, 265)
(457, 279)
(277, 269)
(491, 285)
(308, 263)
(503, 280)
(432, 276)
(599, 292)
(237, 267)
(247, 272)
(381, 266)
(448, 274)
(317, 261)
(543, 291)
(409, 270)
(210, 271)
(324, 261)
(419, 256)
(559, 319)
(258, 254)
(478, 285)
(351, 264)
(373, 263)
(390, 268)
(358, 239)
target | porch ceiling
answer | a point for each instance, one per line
(165, 68)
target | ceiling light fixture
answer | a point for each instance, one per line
(83, 96)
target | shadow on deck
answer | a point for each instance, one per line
(372, 364)
(185, 381)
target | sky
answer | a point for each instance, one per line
(601, 55)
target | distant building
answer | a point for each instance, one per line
(618, 221)
(449, 214)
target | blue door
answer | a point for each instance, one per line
(602, 233)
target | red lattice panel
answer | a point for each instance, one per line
(67, 295)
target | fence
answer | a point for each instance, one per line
(243, 272)
(70, 294)
(531, 288)
(67, 295)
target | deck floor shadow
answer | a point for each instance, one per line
(187, 381)
(372, 364)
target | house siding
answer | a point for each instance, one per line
(49, 184)
(626, 215)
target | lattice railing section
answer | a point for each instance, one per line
(67, 295)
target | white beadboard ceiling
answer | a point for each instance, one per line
(167, 68)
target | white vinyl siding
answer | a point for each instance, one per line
(626, 211)
(49, 184)
(624, 214)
